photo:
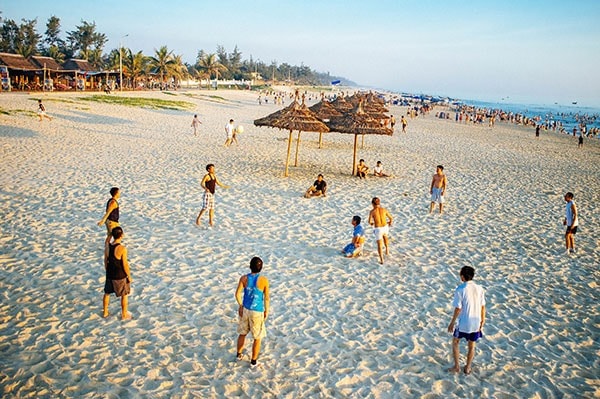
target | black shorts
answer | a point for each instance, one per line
(572, 230)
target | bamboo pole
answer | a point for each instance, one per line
(297, 146)
(287, 161)
(354, 157)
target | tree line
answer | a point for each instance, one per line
(87, 43)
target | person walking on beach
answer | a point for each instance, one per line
(253, 308)
(319, 188)
(404, 123)
(111, 216)
(209, 183)
(196, 124)
(380, 219)
(42, 111)
(438, 189)
(118, 275)
(571, 221)
(469, 309)
(392, 121)
(358, 238)
(230, 131)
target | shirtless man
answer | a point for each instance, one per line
(362, 170)
(380, 219)
(438, 189)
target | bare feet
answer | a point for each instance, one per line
(127, 316)
(453, 370)
(467, 370)
(105, 315)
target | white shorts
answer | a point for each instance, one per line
(252, 322)
(379, 232)
(436, 195)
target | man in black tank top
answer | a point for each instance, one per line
(209, 183)
(111, 216)
(118, 277)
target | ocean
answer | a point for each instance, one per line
(570, 115)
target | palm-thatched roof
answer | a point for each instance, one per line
(17, 62)
(293, 117)
(75, 64)
(45, 62)
(324, 110)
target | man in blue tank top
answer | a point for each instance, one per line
(253, 308)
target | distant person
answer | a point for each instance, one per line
(358, 238)
(438, 189)
(209, 183)
(580, 143)
(469, 309)
(380, 219)
(196, 124)
(111, 216)
(229, 130)
(362, 170)
(42, 111)
(378, 170)
(404, 123)
(392, 121)
(118, 275)
(537, 131)
(571, 221)
(318, 188)
(253, 308)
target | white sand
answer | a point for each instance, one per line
(339, 328)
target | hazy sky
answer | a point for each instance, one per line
(527, 51)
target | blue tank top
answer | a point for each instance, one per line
(254, 299)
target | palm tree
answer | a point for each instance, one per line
(137, 65)
(178, 69)
(162, 62)
(210, 65)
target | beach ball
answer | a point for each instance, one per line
(240, 129)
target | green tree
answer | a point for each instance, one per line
(137, 66)
(211, 66)
(162, 62)
(27, 38)
(86, 40)
(8, 36)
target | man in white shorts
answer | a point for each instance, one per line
(380, 219)
(229, 128)
(438, 189)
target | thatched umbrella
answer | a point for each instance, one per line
(324, 111)
(358, 122)
(294, 117)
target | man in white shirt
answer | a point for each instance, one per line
(229, 129)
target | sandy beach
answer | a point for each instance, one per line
(339, 328)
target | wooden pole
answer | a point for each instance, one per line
(354, 158)
(287, 161)
(297, 146)
(320, 140)
(363, 142)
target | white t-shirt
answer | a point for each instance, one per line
(469, 298)
(229, 130)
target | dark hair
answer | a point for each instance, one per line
(320, 175)
(114, 191)
(256, 264)
(209, 166)
(231, 120)
(378, 161)
(356, 219)
(375, 201)
(440, 167)
(467, 272)
(116, 233)
(569, 195)
(362, 160)
(195, 115)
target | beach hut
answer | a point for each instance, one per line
(358, 122)
(19, 72)
(294, 117)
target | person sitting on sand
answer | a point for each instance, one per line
(319, 188)
(355, 248)
(469, 309)
(381, 219)
(118, 276)
(438, 188)
(362, 169)
(378, 170)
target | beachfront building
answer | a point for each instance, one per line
(19, 73)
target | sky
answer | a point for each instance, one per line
(526, 51)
